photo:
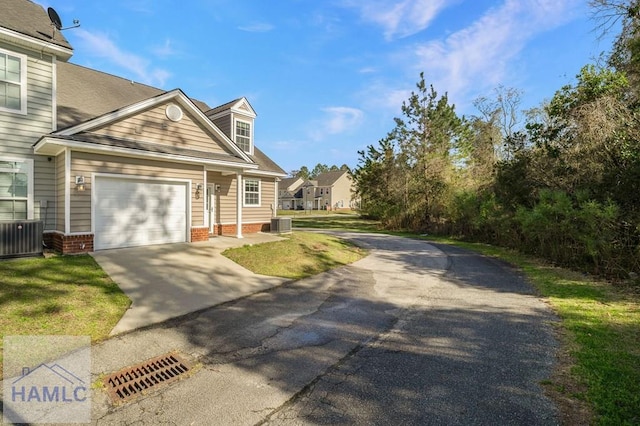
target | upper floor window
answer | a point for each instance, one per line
(12, 82)
(243, 136)
(15, 189)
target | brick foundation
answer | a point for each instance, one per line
(70, 244)
(199, 234)
(76, 244)
(247, 228)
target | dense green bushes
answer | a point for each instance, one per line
(576, 231)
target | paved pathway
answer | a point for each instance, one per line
(413, 334)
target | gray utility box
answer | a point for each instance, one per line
(280, 224)
(20, 238)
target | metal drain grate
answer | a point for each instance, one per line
(131, 382)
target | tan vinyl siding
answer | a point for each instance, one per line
(27, 129)
(226, 198)
(224, 124)
(45, 189)
(341, 192)
(84, 164)
(267, 198)
(60, 188)
(154, 126)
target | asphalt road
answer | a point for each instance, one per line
(413, 334)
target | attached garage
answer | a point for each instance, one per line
(130, 212)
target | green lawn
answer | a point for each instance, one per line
(300, 255)
(599, 361)
(60, 295)
(350, 222)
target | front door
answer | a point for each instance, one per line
(210, 202)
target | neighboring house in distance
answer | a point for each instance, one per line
(106, 162)
(331, 190)
(287, 189)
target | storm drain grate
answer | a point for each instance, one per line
(154, 373)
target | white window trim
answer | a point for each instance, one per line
(235, 134)
(244, 188)
(30, 183)
(23, 83)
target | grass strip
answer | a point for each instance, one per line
(300, 255)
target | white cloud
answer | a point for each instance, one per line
(367, 70)
(261, 27)
(378, 95)
(100, 45)
(480, 56)
(337, 120)
(399, 18)
(165, 50)
(342, 119)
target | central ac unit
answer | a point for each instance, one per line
(281, 224)
(20, 238)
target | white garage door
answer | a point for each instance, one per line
(131, 212)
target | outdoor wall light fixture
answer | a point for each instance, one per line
(217, 188)
(198, 189)
(80, 183)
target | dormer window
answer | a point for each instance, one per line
(13, 82)
(243, 136)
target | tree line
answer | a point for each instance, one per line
(304, 172)
(561, 181)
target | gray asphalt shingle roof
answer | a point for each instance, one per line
(30, 19)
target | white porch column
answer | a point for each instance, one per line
(239, 197)
(276, 199)
(67, 191)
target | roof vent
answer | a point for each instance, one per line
(173, 112)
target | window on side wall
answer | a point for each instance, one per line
(252, 192)
(15, 189)
(13, 82)
(243, 136)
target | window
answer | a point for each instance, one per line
(14, 189)
(243, 136)
(252, 192)
(12, 82)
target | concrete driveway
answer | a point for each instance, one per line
(170, 280)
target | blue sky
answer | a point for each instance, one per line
(327, 77)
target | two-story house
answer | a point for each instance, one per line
(106, 162)
(330, 190)
(333, 190)
(287, 189)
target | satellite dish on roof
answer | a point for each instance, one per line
(57, 22)
(55, 18)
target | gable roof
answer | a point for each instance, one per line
(287, 182)
(87, 98)
(31, 20)
(238, 106)
(177, 96)
(329, 178)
